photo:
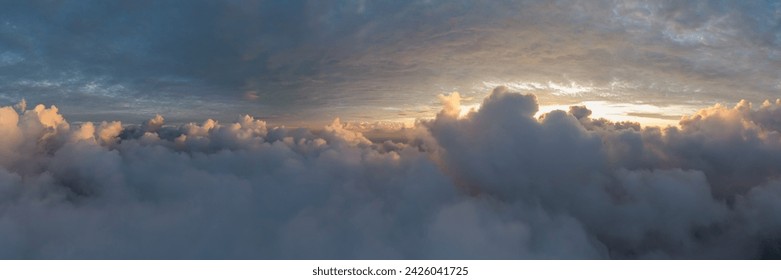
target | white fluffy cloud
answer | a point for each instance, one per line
(491, 183)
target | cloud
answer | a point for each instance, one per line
(133, 60)
(492, 183)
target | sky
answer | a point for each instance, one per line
(307, 62)
(520, 130)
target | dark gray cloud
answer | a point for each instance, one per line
(353, 58)
(492, 183)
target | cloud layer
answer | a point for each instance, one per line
(365, 60)
(491, 183)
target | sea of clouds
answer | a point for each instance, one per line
(490, 183)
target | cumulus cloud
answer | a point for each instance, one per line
(490, 183)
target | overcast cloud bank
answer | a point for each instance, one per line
(493, 183)
(311, 60)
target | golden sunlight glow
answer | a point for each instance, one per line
(569, 88)
(645, 114)
(466, 108)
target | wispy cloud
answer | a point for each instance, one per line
(323, 56)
